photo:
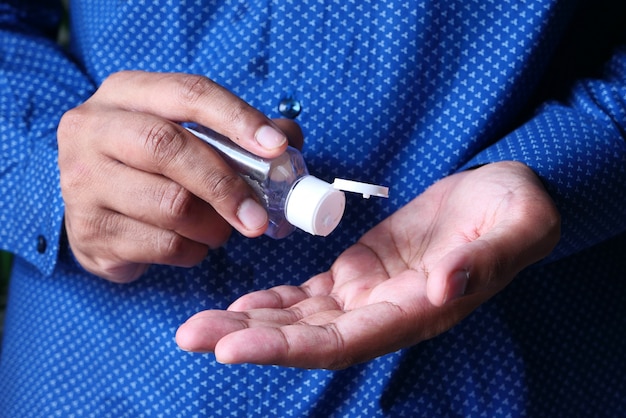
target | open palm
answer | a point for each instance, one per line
(410, 278)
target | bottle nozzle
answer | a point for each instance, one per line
(315, 206)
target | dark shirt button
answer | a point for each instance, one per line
(289, 107)
(42, 244)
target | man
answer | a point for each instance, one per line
(430, 99)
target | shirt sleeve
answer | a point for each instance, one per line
(577, 147)
(38, 83)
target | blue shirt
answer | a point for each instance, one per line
(400, 93)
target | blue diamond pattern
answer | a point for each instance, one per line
(400, 93)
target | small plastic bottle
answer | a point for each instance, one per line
(293, 198)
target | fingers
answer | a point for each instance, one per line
(186, 97)
(485, 265)
(379, 297)
(201, 332)
(314, 333)
(278, 297)
(208, 330)
(119, 248)
(160, 147)
(526, 230)
(274, 346)
(163, 204)
(467, 269)
(317, 333)
(122, 155)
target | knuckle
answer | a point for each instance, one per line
(118, 272)
(169, 245)
(93, 237)
(74, 168)
(237, 113)
(91, 233)
(220, 185)
(176, 202)
(196, 89)
(100, 227)
(162, 142)
(72, 122)
(115, 78)
(71, 176)
(193, 88)
(342, 360)
(71, 182)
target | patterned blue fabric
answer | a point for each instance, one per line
(400, 93)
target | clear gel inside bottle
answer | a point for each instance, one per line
(293, 198)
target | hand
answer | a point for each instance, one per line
(410, 278)
(139, 189)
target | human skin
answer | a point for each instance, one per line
(410, 278)
(139, 190)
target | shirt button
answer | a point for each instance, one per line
(42, 244)
(289, 107)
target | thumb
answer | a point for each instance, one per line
(467, 269)
(292, 130)
(487, 264)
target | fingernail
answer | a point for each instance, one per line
(252, 215)
(457, 285)
(269, 138)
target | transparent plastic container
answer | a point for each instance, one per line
(292, 197)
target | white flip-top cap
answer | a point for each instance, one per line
(315, 206)
(366, 189)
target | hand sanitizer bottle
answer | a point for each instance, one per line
(293, 198)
